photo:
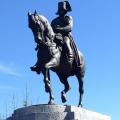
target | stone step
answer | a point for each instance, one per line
(42, 108)
(46, 116)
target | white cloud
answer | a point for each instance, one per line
(9, 70)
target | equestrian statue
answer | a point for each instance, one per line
(56, 50)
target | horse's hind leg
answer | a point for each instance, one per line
(48, 85)
(81, 89)
(66, 89)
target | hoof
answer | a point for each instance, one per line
(51, 103)
(81, 105)
(63, 97)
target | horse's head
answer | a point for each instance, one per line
(34, 21)
(36, 25)
(40, 27)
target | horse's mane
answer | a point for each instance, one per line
(46, 25)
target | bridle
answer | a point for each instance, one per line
(40, 29)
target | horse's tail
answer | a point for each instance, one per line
(81, 68)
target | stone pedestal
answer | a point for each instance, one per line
(55, 112)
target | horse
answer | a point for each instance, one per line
(51, 57)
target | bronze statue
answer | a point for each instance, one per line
(56, 50)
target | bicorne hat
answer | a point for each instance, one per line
(64, 5)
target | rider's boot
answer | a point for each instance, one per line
(69, 51)
(36, 68)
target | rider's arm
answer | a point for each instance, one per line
(68, 27)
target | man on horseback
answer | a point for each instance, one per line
(62, 27)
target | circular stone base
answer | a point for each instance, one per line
(55, 112)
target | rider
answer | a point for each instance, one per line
(62, 26)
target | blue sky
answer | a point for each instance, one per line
(97, 34)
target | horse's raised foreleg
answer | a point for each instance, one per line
(63, 79)
(48, 85)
